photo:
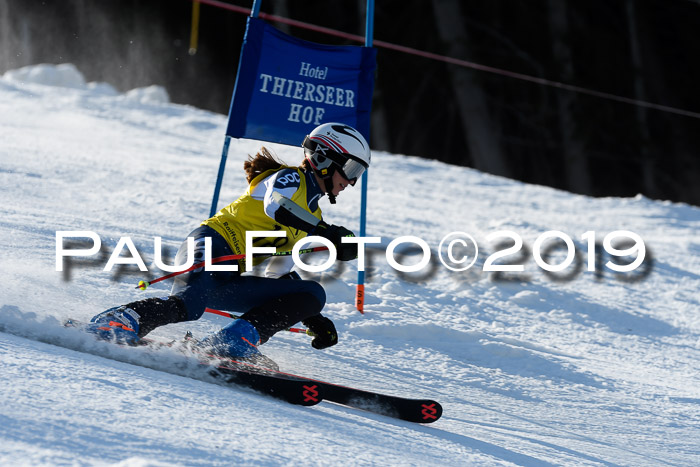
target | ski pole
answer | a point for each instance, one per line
(143, 285)
(232, 316)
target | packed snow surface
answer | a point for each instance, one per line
(575, 367)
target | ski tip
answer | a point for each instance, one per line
(311, 394)
(430, 412)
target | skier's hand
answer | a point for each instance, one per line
(335, 233)
(324, 331)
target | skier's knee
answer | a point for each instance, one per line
(315, 289)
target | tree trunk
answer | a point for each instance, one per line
(482, 132)
(647, 162)
(576, 167)
(281, 8)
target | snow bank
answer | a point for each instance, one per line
(149, 95)
(66, 75)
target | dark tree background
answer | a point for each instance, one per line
(640, 49)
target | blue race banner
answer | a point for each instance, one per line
(287, 86)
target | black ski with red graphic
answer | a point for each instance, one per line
(412, 410)
(263, 377)
(292, 390)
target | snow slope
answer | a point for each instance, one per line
(598, 369)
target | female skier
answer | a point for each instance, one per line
(279, 197)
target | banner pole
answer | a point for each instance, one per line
(369, 26)
(254, 12)
(360, 292)
(220, 176)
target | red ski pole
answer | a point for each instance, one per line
(232, 316)
(144, 284)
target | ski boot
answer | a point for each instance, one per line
(119, 324)
(239, 342)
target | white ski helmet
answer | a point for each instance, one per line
(337, 147)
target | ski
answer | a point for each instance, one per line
(242, 374)
(408, 409)
(411, 410)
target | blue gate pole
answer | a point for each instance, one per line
(360, 292)
(256, 8)
(220, 176)
(224, 153)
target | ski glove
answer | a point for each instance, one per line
(334, 233)
(324, 331)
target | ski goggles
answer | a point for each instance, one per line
(350, 167)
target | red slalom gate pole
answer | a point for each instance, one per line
(232, 316)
